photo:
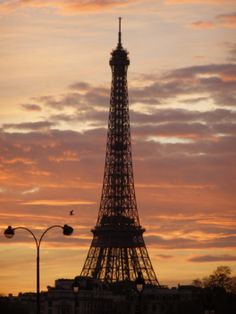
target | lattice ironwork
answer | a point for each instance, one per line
(118, 251)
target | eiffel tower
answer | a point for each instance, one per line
(118, 252)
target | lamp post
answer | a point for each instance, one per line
(139, 284)
(10, 232)
(76, 289)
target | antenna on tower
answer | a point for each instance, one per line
(119, 38)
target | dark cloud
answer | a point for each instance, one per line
(212, 258)
(91, 107)
(60, 102)
(221, 20)
(213, 83)
(209, 2)
(227, 20)
(187, 243)
(164, 256)
(80, 86)
(65, 6)
(215, 80)
(202, 24)
(161, 116)
(173, 129)
(231, 47)
(31, 107)
(84, 99)
(217, 70)
(40, 125)
(188, 132)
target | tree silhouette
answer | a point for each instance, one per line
(220, 278)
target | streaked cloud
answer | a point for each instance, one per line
(58, 202)
(205, 2)
(232, 51)
(216, 80)
(39, 125)
(202, 25)
(31, 107)
(33, 190)
(215, 83)
(227, 20)
(65, 6)
(164, 256)
(187, 243)
(221, 20)
(212, 258)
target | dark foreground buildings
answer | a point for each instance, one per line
(95, 299)
(118, 256)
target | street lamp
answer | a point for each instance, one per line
(76, 289)
(10, 232)
(139, 284)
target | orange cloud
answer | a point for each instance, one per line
(203, 25)
(212, 258)
(66, 6)
(65, 156)
(222, 20)
(227, 20)
(18, 160)
(207, 2)
(58, 202)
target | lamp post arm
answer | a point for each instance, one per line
(33, 235)
(41, 238)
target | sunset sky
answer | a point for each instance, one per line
(55, 85)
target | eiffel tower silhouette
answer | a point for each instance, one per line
(118, 252)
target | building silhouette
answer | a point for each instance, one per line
(60, 299)
(118, 252)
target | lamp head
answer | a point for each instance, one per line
(9, 232)
(75, 285)
(139, 282)
(67, 230)
(76, 289)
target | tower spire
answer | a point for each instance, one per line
(119, 34)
